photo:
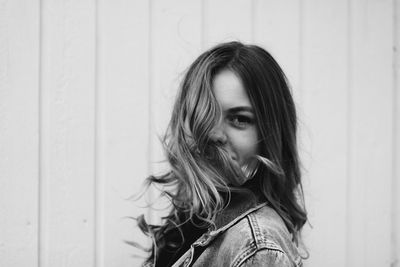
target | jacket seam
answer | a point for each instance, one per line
(251, 254)
(237, 219)
(251, 250)
(251, 229)
(255, 228)
(259, 242)
(261, 239)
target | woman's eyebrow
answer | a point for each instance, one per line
(239, 109)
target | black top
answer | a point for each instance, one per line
(167, 257)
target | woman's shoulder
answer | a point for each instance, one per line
(270, 232)
(258, 238)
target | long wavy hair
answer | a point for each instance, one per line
(202, 174)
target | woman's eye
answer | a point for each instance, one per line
(240, 121)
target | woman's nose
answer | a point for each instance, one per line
(219, 136)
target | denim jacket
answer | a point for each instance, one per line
(246, 235)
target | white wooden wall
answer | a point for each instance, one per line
(86, 87)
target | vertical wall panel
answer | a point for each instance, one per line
(371, 121)
(395, 233)
(324, 94)
(227, 20)
(19, 106)
(175, 42)
(68, 133)
(123, 115)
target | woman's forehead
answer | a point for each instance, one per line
(229, 90)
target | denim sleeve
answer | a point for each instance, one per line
(267, 257)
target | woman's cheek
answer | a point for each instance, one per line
(246, 146)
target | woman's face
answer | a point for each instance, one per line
(237, 132)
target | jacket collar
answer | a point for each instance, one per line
(239, 206)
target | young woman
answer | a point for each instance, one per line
(234, 185)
